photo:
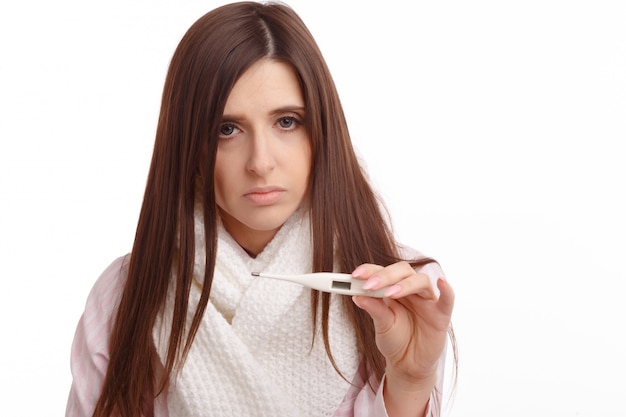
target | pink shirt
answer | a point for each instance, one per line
(90, 357)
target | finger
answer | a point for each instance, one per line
(402, 280)
(365, 271)
(416, 283)
(383, 277)
(446, 297)
(378, 310)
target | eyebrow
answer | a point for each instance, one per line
(286, 109)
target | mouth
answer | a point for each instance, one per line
(264, 196)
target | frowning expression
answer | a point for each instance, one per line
(264, 154)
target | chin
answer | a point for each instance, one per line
(265, 222)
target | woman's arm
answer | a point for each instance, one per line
(367, 399)
(411, 332)
(90, 350)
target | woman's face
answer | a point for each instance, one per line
(263, 154)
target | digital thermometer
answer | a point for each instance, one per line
(331, 282)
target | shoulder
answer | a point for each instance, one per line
(102, 302)
(98, 316)
(106, 292)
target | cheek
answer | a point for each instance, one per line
(306, 162)
(305, 168)
(219, 184)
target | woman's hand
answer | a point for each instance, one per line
(411, 325)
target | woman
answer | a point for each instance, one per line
(253, 170)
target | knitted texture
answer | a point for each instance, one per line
(252, 355)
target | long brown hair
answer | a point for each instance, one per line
(347, 231)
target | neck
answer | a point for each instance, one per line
(251, 240)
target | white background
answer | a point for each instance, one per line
(493, 129)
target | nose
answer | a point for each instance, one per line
(261, 158)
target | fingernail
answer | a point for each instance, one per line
(358, 271)
(393, 290)
(371, 283)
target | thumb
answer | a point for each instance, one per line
(446, 298)
(377, 309)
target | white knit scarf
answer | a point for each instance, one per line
(252, 354)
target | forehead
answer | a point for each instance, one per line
(267, 84)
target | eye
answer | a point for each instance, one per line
(287, 122)
(227, 129)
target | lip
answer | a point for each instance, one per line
(264, 196)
